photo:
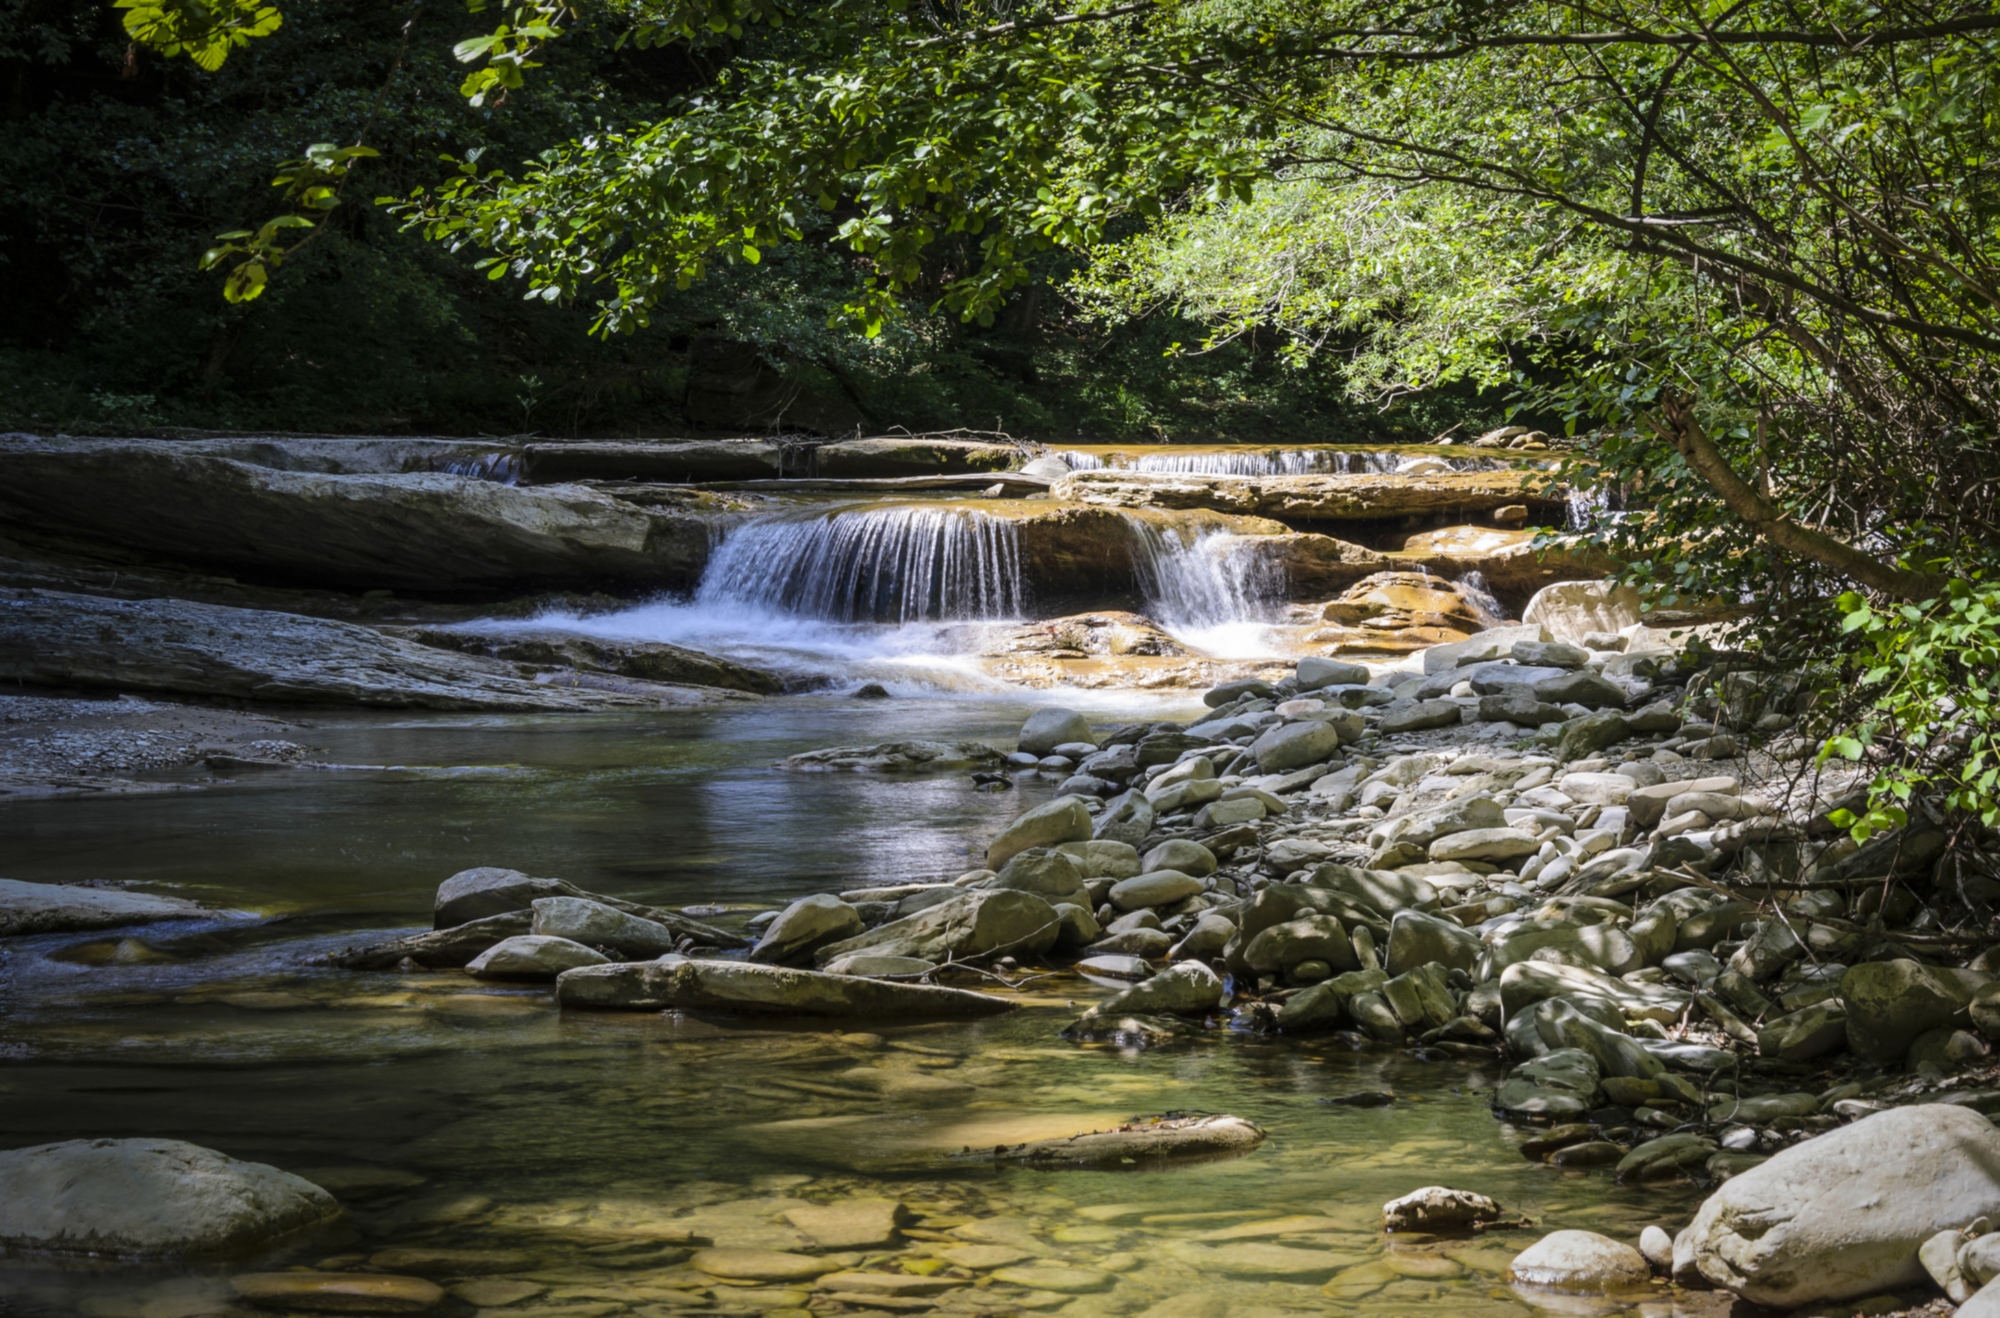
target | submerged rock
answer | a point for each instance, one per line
(149, 1199)
(337, 1292)
(896, 757)
(53, 908)
(741, 987)
(1150, 1140)
(1580, 1261)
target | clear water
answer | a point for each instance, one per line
(590, 1143)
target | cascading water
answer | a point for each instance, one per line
(1472, 588)
(1265, 462)
(500, 468)
(897, 565)
(1211, 588)
(1587, 507)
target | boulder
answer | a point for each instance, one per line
(1047, 729)
(805, 926)
(1549, 654)
(1139, 1142)
(1315, 673)
(1561, 1025)
(1127, 818)
(1521, 708)
(1158, 888)
(1062, 820)
(1558, 1085)
(596, 925)
(1422, 716)
(1889, 1003)
(1420, 828)
(1417, 939)
(1580, 738)
(1492, 845)
(981, 923)
(1580, 1261)
(1494, 643)
(1180, 854)
(1803, 1035)
(1103, 859)
(1648, 805)
(878, 967)
(487, 890)
(1255, 687)
(1187, 988)
(1295, 745)
(1438, 1208)
(862, 1223)
(532, 956)
(1572, 610)
(149, 1199)
(747, 988)
(1582, 687)
(1384, 890)
(54, 908)
(1282, 947)
(1051, 875)
(1844, 1214)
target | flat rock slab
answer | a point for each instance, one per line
(54, 908)
(740, 987)
(896, 757)
(761, 1264)
(148, 1199)
(337, 1292)
(1148, 1141)
(849, 1224)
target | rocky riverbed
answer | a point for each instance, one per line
(1451, 949)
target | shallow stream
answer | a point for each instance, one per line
(582, 1152)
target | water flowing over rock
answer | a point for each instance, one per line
(149, 1199)
(1311, 498)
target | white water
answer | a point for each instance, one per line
(1210, 590)
(1265, 462)
(1472, 588)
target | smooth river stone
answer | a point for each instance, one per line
(850, 1224)
(1251, 1258)
(1052, 1277)
(983, 1258)
(760, 1264)
(337, 1292)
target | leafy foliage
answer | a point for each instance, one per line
(203, 30)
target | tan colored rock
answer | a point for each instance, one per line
(760, 1264)
(337, 1292)
(850, 1223)
(1310, 498)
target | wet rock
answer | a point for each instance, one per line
(760, 1264)
(439, 949)
(1047, 729)
(650, 661)
(1054, 1277)
(149, 1199)
(1666, 1158)
(1181, 855)
(532, 956)
(1255, 687)
(1114, 967)
(1564, 1083)
(977, 924)
(1889, 1003)
(596, 925)
(1062, 820)
(1187, 988)
(51, 908)
(491, 891)
(850, 1223)
(1580, 1261)
(1283, 947)
(1295, 745)
(1158, 888)
(337, 1292)
(1844, 1214)
(740, 987)
(1327, 1004)
(1127, 818)
(1417, 938)
(896, 757)
(804, 927)
(1439, 1208)
(1148, 1140)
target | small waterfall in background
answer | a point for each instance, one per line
(898, 565)
(1586, 508)
(1269, 462)
(1472, 588)
(1213, 589)
(501, 468)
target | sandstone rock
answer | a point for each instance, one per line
(1844, 1214)
(805, 926)
(1295, 745)
(1306, 498)
(662, 661)
(1423, 715)
(744, 987)
(900, 455)
(1061, 820)
(1889, 1003)
(1142, 1141)
(1187, 988)
(850, 1223)
(1417, 938)
(896, 757)
(978, 924)
(1580, 1261)
(1648, 804)
(1181, 855)
(1047, 729)
(1127, 818)
(532, 956)
(148, 1199)
(596, 925)
(1572, 610)
(1438, 1208)
(337, 1292)
(1158, 888)
(51, 908)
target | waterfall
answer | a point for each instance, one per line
(501, 468)
(1586, 507)
(1472, 588)
(871, 565)
(1212, 588)
(1264, 462)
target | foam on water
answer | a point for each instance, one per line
(1211, 590)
